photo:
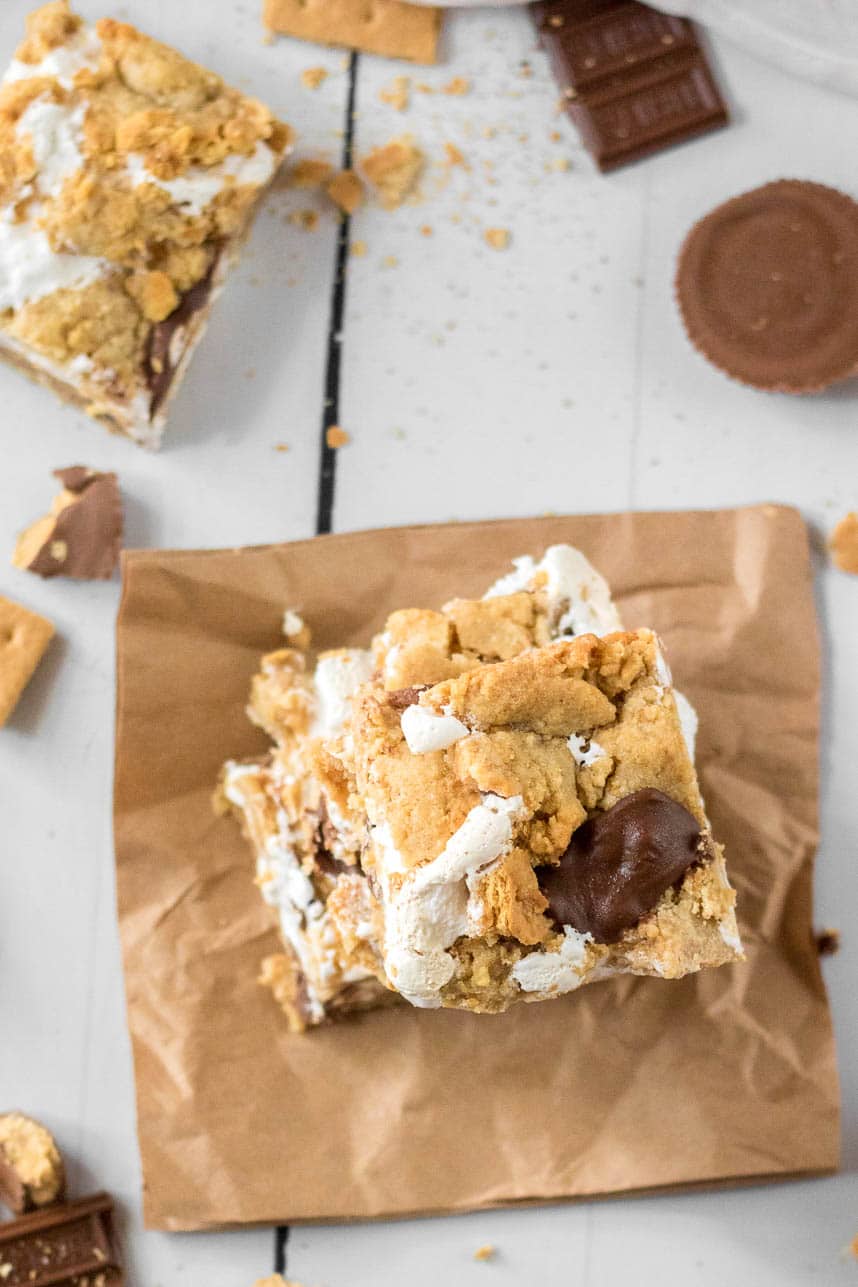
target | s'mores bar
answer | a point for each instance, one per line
(128, 179)
(513, 780)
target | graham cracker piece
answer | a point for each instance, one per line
(24, 636)
(843, 544)
(388, 27)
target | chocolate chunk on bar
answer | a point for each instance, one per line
(131, 180)
(69, 1245)
(31, 1167)
(496, 803)
(82, 536)
(620, 862)
(634, 80)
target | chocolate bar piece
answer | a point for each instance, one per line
(82, 536)
(71, 1245)
(634, 80)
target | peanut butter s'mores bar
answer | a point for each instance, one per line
(516, 780)
(128, 179)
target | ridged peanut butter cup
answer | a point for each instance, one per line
(767, 285)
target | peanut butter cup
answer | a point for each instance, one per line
(767, 285)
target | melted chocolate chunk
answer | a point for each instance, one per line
(159, 367)
(401, 698)
(324, 837)
(619, 863)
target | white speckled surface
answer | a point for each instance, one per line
(550, 376)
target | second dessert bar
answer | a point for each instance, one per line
(128, 178)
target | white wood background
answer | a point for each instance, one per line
(551, 376)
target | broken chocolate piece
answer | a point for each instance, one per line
(620, 862)
(70, 1245)
(31, 1168)
(634, 80)
(82, 536)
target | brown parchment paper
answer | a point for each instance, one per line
(626, 1085)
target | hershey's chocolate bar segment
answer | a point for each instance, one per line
(70, 1245)
(634, 80)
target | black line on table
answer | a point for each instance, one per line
(331, 409)
(281, 1238)
(330, 416)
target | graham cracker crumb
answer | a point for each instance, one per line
(281, 446)
(345, 190)
(358, 249)
(843, 544)
(427, 230)
(309, 173)
(497, 238)
(390, 261)
(555, 136)
(276, 1280)
(486, 1252)
(306, 219)
(561, 164)
(453, 156)
(394, 169)
(336, 437)
(397, 94)
(458, 85)
(313, 77)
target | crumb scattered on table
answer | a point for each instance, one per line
(281, 446)
(306, 219)
(390, 261)
(394, 168)
(458, 85)
(309, 173)
(497, 238)
(358, 249)
(398, 93)
(486, 1252)
(427, 230)
(843, 544)
(336, 437)
(313, 77)
(828, 942)
(345, 190)
(454, 156)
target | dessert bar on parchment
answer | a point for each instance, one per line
(496, 803)
(128, 179)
